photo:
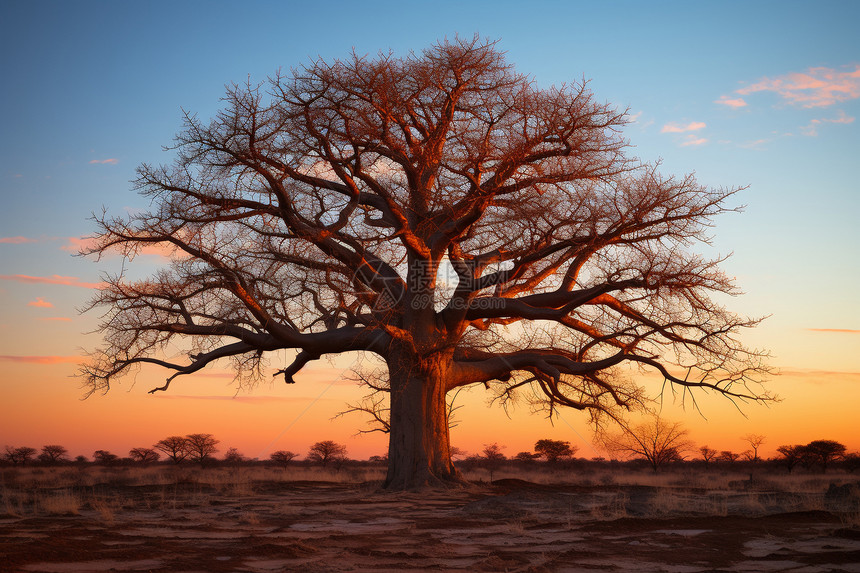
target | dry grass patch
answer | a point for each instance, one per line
(106, 507)
(63, 502)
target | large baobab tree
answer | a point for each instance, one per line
(442, 212)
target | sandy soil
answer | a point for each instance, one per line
(510, 526)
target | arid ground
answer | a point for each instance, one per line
(261, 520)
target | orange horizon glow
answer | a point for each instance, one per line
(277, 416)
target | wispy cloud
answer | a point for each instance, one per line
(51, 280)
(77, 244)
(836, 330)
(17, 240)
(690, 137)
(41, 303)
(755, 144)
(820, 376)
(676, 128)
(816, 87)
(245, 399)
(812, 128)
(842, 118)
(110, 161)
(694, 141)
(42, 359)
(55, 319)
(731, 102)
(639, 120)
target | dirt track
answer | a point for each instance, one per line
(511, 526)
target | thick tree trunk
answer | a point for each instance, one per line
(419, 449)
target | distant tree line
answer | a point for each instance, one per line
(821, 453)
(198, 448)
(655, 444)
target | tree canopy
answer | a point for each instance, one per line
(821, 452)
(325, 452)
(656, 440)
(443, 212)
(554, 450)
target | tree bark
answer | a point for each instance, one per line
(419, 449)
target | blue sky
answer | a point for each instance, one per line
(758, 94)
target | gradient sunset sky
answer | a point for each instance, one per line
(757, 94)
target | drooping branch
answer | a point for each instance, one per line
(199, 361)
(375, 406)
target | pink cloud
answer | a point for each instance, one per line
(17, 240)
(76, 244)
(40, 302)
(51, 280)
(812, 128)
(43, 359)
(675, 128)
(694, 141)
(817, 87)
(731, 102)
(843, 118)
(836, 330)
(56, 319)
(110, 161)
